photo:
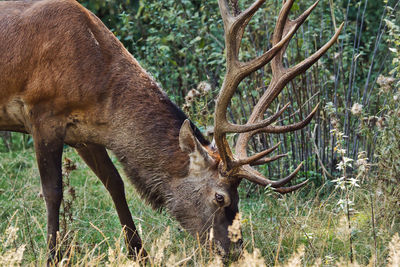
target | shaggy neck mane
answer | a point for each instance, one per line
(147, 144)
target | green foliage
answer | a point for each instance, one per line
(14, 141)
(179, 42)
(388, 136)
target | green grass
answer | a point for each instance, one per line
(276, 225)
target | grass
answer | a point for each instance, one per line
(274, 227)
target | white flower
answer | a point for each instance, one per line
(340, 183)
(353, 182)
(341, 151)
(344, 163)
(347, 160)
(342, 204)
(340, 166)
(310, 235)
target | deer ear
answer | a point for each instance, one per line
(187, 140)
(199, 157)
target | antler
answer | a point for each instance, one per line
(236, 71)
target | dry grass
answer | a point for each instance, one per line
(12, 254)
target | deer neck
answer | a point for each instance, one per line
(144, 135)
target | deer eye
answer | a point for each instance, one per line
(219, 198)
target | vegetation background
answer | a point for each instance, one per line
(349, 212)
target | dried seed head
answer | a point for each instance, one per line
(234, 232)
(370, 121)
(204, 87)
(356, 109)
(335, 122)
(380, 123)
(362, 163)
(186, 107)
(250, 259)
(385, 83)
(159, 247)
(193, 93)
(188, 99)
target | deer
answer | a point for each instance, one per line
(66, 79)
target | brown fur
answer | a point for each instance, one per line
(65, 78)
(104, 75)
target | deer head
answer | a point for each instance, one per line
(215, 172)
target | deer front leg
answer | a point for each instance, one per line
(97, 159)
(49, 148)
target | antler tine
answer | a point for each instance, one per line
(282, 27)
(308, 62)
(268, 160)
(234, 26)
(242, 20)
(262, 60)
(235, 128)
(283, 21)
(282, 76)
(243, 139)
(254, 176)
(300, 19)
(285, 190)
(224, 10)
(288, 178)
(288, 128)
(256, 157)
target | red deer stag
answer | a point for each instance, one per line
(66, 79)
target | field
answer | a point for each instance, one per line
(310, 222)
